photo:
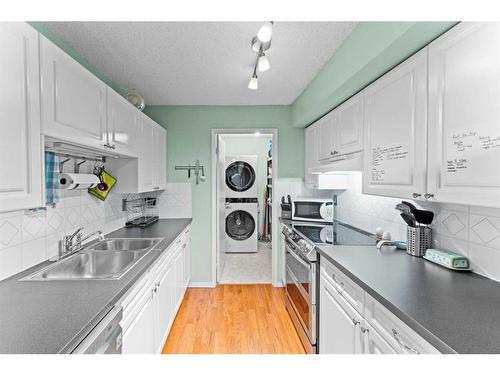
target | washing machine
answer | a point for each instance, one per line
(242, 225)
(241, 176)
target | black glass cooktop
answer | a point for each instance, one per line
(334, 234)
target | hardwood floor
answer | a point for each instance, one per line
(233, 319)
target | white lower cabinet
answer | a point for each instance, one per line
(339, 322)
(151, 305)
(140, 335)
(350, 325)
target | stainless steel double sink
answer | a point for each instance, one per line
(105, 260)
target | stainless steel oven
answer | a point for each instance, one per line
(300, 275)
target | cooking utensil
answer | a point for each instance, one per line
(412, 207)
(283, 200)
(289, 199)
(408, 218)
(423, 217)
(403, 208)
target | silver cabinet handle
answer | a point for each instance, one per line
(183, 246)
(364, 330)
(355, 322)
(428, 195)
(402, 343)
(416, 195)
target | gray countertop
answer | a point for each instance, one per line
(54, 316)
(457, 312)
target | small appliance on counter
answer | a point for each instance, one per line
(312, 209)
(286, 208)
(141, 212)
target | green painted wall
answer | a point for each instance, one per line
(189, 138)
(372, 49)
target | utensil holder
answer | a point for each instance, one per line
(419, 239)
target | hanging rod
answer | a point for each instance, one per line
(101, 159)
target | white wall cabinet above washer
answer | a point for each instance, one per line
(20, 143)
(464, 115)
(395, 131)
(73, 99)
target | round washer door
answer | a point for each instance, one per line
(240, 225)
(240, 176)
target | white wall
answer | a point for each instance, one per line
(469, 230)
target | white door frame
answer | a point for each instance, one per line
(275, 227)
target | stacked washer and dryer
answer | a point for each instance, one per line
(242, 207)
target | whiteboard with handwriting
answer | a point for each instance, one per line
(472, 156)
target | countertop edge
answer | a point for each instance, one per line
(411, 322)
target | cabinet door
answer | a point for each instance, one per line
(327, 136)
(464, 113)
(73, 99)
(164, 300)
(395, 131)
(146, 154)
(350, 126)
(179, 279)
(187, 261)
(160, 157)
(339, 323)
(311, 152)
(374, 343)
(140, 335)
(121, 123)
(20, 144)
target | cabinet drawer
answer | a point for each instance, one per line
(401, 337)
(351, 291)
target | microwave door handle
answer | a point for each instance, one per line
(297, 258)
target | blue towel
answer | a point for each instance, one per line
(51, 178)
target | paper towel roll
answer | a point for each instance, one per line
(76, 181)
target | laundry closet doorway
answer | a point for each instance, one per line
(243, 209)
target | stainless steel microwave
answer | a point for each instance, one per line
(313, 209)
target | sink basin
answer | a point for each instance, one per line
(105, 260)
(90, 265)
(125, 244)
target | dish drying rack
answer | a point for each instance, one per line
(141, 212)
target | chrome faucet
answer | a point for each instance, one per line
(67, 247)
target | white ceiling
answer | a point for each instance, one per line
(204, 63)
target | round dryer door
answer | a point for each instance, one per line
(240, 176)
(240, 225)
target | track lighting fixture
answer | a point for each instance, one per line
(261, 43)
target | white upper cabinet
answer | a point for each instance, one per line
(327, 132)
(311, 152)
(160, 157)
(464, 115)
(146, 154)
(73, 99)
(20, 144)
(122, 124)
(349, 137)
(395, 131)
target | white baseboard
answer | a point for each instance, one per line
(201, 284)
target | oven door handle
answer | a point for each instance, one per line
(297, 258)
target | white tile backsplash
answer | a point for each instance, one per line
(175, 201)
(468, 230)
(30, 237)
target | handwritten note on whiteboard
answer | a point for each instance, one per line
(389, 162)
(472, 156)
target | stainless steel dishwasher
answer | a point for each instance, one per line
(106, 337)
